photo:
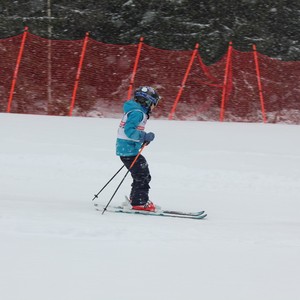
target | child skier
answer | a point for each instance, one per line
(131, 136)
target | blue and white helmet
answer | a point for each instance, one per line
(146, 96)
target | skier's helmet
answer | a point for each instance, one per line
(146, 96)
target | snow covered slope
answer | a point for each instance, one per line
(54, 245)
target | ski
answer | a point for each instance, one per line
(127, 204)
(159, 213)
(191, 214)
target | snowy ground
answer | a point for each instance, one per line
(55, 246)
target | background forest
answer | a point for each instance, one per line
(169, 24)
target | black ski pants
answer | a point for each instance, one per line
(141, 177)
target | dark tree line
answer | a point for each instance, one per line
(167, 24)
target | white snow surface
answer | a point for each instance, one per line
(56, 246)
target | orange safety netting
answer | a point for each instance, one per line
(89, 78)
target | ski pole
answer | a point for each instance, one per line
(96, 195)
(132, 164)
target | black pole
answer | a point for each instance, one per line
(132, 164)
(115, 192)
(96, 195)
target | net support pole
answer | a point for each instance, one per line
(78, 73)
(261, 97)
(16, 71)
(137, 58)
(172, 112)
(228, 63)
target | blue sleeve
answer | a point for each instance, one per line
(133, 120)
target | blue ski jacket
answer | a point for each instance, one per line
(130, 130)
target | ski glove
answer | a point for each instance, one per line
(146, 138)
